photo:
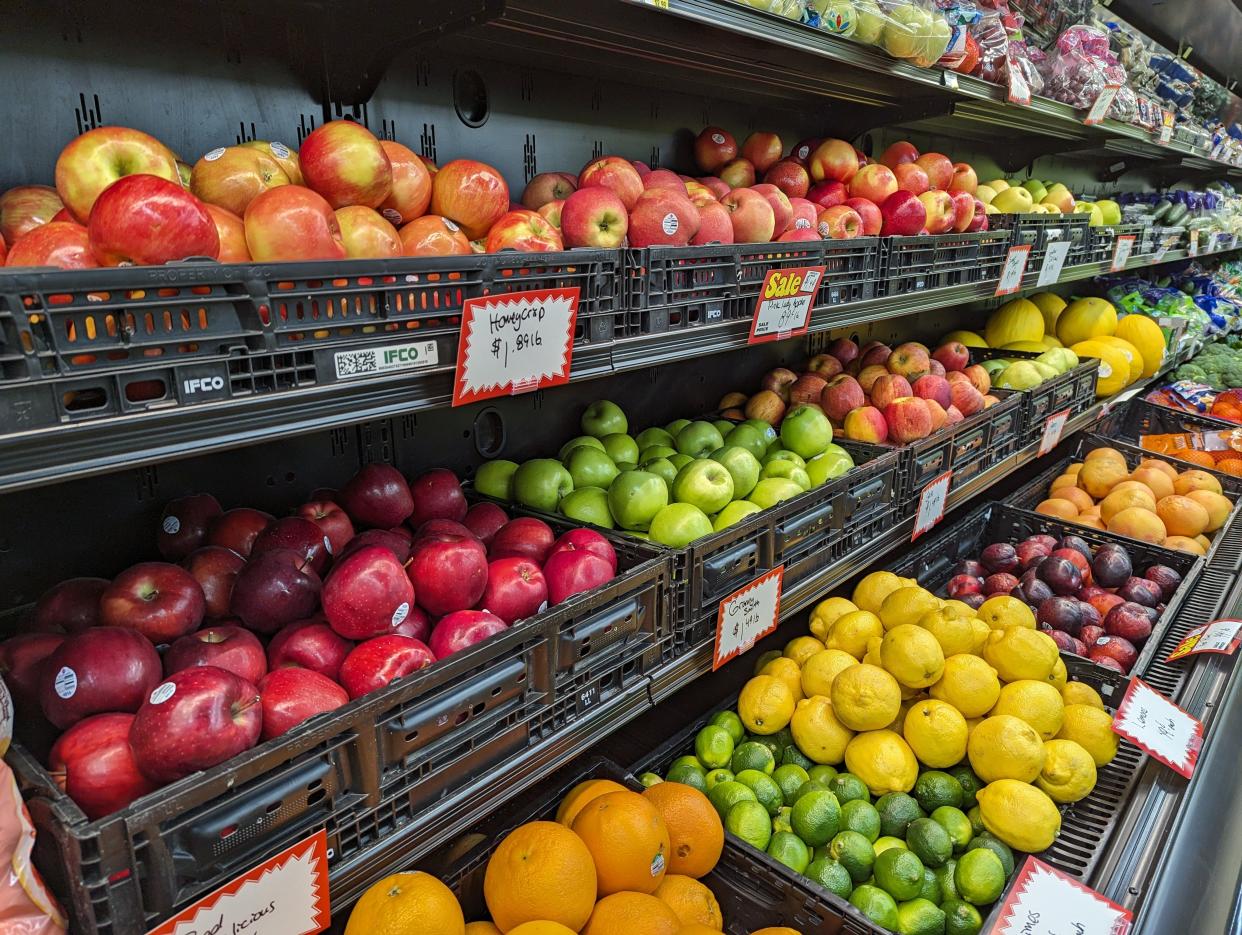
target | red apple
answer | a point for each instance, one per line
(911, 178)
(472, 194)
(274, 589)
(396, 540)
(763, 150)
(752, 216)
(366, 234)
(667, 179)
(299, 535)
(963, 210)
(224, 645)
(910, 360)
(781, 207)
(939, 207)
(26, 207)
(888, 388)
(964, 178)
(22, 659)
(237, 529)
(904, 215)
(953, 355)
(573, 572)
(839, 223)
(938, 167)
(448, 573)
(615, 174)
(215, 568)
(377, 495)
(933, 387)
(833, 160)
(587, 540)
(159, 600)
(345, 163)
(779, 380)
(979, 378)
(410, 195)
(291, 696)
(844, 350)
(524, 231)
(979, 222)
(367, 593)
(873, 352)
(715, 225)
(900, 153)
(545, 187)
(766, 405)
(595, 216)
(231, 177)
(463, 629)
(790, 177)
(292, 223)
(381, 661)
(145, 220)
(806, 389)
(1115, 652)
(432, 235)
(436, 494)
(642, 168)
(515, 589)
(70, 606)
(874, 182)
(966, 399)
(524, 537)
(93, 763)
(310, 644)
(738, 174)
(63, 244)
(332, 521)
(99, 670)
(232, 233)
(484, 520)
(867, 376)
(908, 419)
(99, 157)
(841, 394)
(662, 217)
(869, 212)
(827, 194)
(713, 147)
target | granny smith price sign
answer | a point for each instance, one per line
(784, 305)
(747, 615)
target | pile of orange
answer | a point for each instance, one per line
(614, 862)
(1155, 502)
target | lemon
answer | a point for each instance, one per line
(912, 656)
(818, 733)
(955, 634)
(1059, 675)
(802, 648)
(1069, 772)
(1018, 653)
(899, 722)
(1005, 747)
(872, 656)
(1092, 729)
(882, 760)
(764, 659)
(827, 612)
(971, 724)
(819, 671)
(852, 631)
(765, 705)
(1081, 693)
(969, 684)
(981, 632)
(869, 593)
(956, 608)
(1019, 814)
(907, 605)
(1037, 703)
(1002, 611)
(865, 697)
(936, 732)
(788, 672)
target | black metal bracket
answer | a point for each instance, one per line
(852, 121)
(1026, 150)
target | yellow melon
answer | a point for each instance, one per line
(1087, 318)
(1114, 373)
(1016, 320)
(1145, 335)
(1132, 355)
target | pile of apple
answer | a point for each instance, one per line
(253, 624)
(1088, 600)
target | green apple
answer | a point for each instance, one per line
(662, 466)
(1020, 375)
(742, 466)
(704, 483)
(588, 505)
(1061, 359)
(621, 447)
(870, 22)
(1110, 211)
(676, 426)
(1036, 188)
(495, 479)
(829, 465)
(653, 436)
(699, 439)
(773, 448)
(656, 451)
(604, 418)
(679, 524)
(582, 441)
(732, 513)
(995, 366)
(626, 465)
(723, 426)
(780, 454)
(787, 469)
(635, 497)
(591, 468)
(764, 429)
(748, 437)
(540, 483)
(772, 490)
(679, 460)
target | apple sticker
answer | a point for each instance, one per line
(66, 683)
(279, 150)
(399, 615)
(717, 138)
(392, 215)
(171, 525)
(214, 154)
(163, 692)
(669, 224)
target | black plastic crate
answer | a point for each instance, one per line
(1102, 241)
(1039, 230)
(1073, 390)
(668, 288)
(1140, 417)
(935, 261)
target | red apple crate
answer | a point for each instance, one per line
(937, 261)
(1073, 390)
(1039, 230)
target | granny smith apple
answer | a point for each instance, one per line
(764, 429)
(588, 505)
(495, 479)
(621, 447)
(780, 454)
(773, 447)
(655, 451)
(806, 431)
(723, 426)
(676, 426)
(626, 465)
(679, 460)
(662, 466)
(742, 466)
(582, 441)
(604, 418)
(828, 465)
(736, 511)
(653, 436)
(540, 483)
(635, 497)
(787, 469)
(704, 483)
(748, 437)
(699, 439)
(772, 490)
(590, 468)
(679, 524)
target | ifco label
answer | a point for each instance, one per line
(201, 383)
(385, 359)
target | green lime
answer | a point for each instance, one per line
(727, 794)
(980, 876)
(933, 789)
(899, 873)
(687, 775)
(954, 821)
(716, 777)
(752, 755)
(816, 818)
(790, 778)
(764, 787)
(847, 787)
(765, 658)
(876, 905)
(884, 843)
(780, 821)
(782, 738)
(998, 847)
(853, 852)
(897, 810)
(792, 755)
(920, 917)
(750, 822)
(822, 773)
(769, 742)
(969, 782)
(713, 746)
(688, 761)
(787, 848)
(961, 918)
(976, 820)
(730, 722)
(861, 816)
(930, 890)
(831, 876)
(930, 841)
(811, 785)
(650, 779)
(944, 879)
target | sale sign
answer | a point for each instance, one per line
(786, 297)
(1159, 728)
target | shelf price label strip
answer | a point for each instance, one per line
(931, 504)
(1159, 728)
(1043, 900)
(783, 309)
(1219, 636)
(1013, 270)
(747, 616)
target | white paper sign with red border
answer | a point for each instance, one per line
(783, 308)
(1052, 431)
(1159, 728)
(1100, 108)
(747, 616)
(515, 343)
(1219, 636)
(1013, 270)
(1043, 900)
(931, 504)
(287, 893)
(1121, 252)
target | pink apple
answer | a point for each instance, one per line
(411, 185)
(939, 416)
(963, 210)
(366, 234)
(26, 207)
(232, 233)
(715, 225)
(96, 159)
(904, 214)
(979, 222)
(910, 360)
(790, 177)
(939, 207)
(953, 355)
(979, 378)
(752, 216)
(929, 386)
(641, 167)
(665, 178)
(714, 147)
(873, 352)
(844, 350)
(232, 176)
(898, 154)
(432, 235)
(887, 388)
(662, 217)
(595, 216)
(227, 646)
(463, 629)
(292, 223)
(827, 194)
(738, 174)
(62, 244)
(699, 194)
(870, 214)
(839, 223)
(781, 207)
(545, 187)
(938, 167)
(866, 424)
(291, 696)
(874, 182)
(717, 185)
(911, 178)
(524, 231)
(93, 763)
(310, 644)
(966, 399)
(841, 395)
(472, 194)
(805, 213)
(964, 178)
(615, 174)
(908, 419)
(763, 150)
(146, 220)
(867, 376)
(833, 160)
(345, 163)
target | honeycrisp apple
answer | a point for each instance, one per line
(232, 176)
(411, 185)
(26, 207)
(833, 160)
(714, 225)
(472, 194)
(232, 233)
(752, 216)
(616, 174)
(912, 178)
(839, 223)
(63, 244)
(345, 163)
(904, 214)
(545, 187)
(432, 235)
(292, 223)
(147, 220)
(899, 153)
(594, 216)
(963, 209)
(939, 207)
(366, 234)
(763, 150)
(661, 216)
(738, 173)
(97, 158)
(525, 231)
(874, 182)
(781, 208)
(869, 212)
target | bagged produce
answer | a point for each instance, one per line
(26, 906)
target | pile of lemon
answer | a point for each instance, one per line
(895, 677)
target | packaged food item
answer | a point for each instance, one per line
(1081, 66)
(26, 905)
(913, 30)
(1222, 446)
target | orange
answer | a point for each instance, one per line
(1080, 498)
(1090, 519)
(1099, 476)
(1183, 544)
(690, 900)
(777, 930)
(628, 913)
(1062, 509)
(1196, 480)
(695, 929)
(582, 793)
(1138, 523)
(1205, 542)
(482, 928)
(540, 871)
(1163, 467)
(1064, 480)
(695, 832)
(1233, 466)
(1134, 485)
(1101, 454)
(1158, 482)
(1182, 516)
(627, 839)
(1201, 458)
(1120, 500)
(407, 902)
(541, 928)
(1074, 468)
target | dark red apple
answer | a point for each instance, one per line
(1082, 564)
(570, 573)
(157, 599)
(93, 763)
(367, 593)
(448, 573)
(70, 606)
(237, 529)
(377, 496)
(291, 696)
(963, 584)
(215, 569)
(437, 494)
(21, 666)
(844, 350)
(462, 630)
(515, 589)
(225, 646)
(299, 535)
(274, 589)
(1128, 620)
(1060, 574)
(1141, 591)
(309, 644)
(394, 542)
(1116, 649)
(100, 670)
(1002, 582)
(588, 540)
(332, 520)
(1061, 613)
(484, 519)
(999, 556)
(1077, 543)
(525, 537)
(443, 527)
(378, 662)
(1167, 579)
(417, 625)
(184, 525)
(1089, 634)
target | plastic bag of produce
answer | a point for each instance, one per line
(790, 9)
(913, 30)
(993, 41)
(962, 50)
(26, 906)
(839, 17)
(1081, 66)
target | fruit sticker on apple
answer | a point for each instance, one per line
(784, 305)
(747, 616)
(515, 343)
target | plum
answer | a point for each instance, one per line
(1000, 583)
(1140, 591)
(969, 567)
(1030, 553)
(1168, 579)
(1082, 564)
(1077, 543)
(963, 584)
(1080, 648)
(1090, 616)
(1060, 574)
(1064, 641)
(1088, 591)
(1111, 566)
(1128, 620)
(1048, 542)
(1061, 613)
(1036, 591)
(999, 556)
(1117, 650)
(1089, 634)
(973, 601)
(1103, 603)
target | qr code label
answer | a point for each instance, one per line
(385, 359)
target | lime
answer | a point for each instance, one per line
(944, 878)
(688, 761)
(847, 787)
(687, 775)
(884, 843)
(713, 746)
(793, 756)
(780, 821)
(954, 821)
(727, 794)
(811, 785)
(770, 742)
(920, 917)
(782, 738)
(861, 816)
(853, 852)
(976, 820)
(730, 722)
(899, 873)
(876, 905)
(766, 791)
(998, 847)
(716, 777)
(765, 658)
(961, 918)
(650, 779)
(790, 778)
(752, 755)
(750, 822)
(822, 773)
(930, 841)
(816, 817)
(787, 848)
(979, 877)
(897, 810)
(930, 890)
(831, 876)
(932, 789)
(969, 782)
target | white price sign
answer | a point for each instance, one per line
(1122, 251)
(931, 504)
(1219, 636)
(1052, 431)
(783, 308)
(1193, 249)
(1100, 108)
(1158, 727)
(1054, 260)
(747, 616)
(1166, 244)
(1166, 134)
(1045, 901)
(1013, 270)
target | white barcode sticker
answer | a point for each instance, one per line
(386, 359)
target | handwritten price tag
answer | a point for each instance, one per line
(515, 343)
(784, 305)
(1054, 260)
(1122, 251)
(1052, 431)
(1013, 270)
(1219, 636)
(1159, 728)
(287, 893)
(1100, 108)
(747, 616)
(931, 504)
(1166, 244)
(1045, 900)
(1193, 249)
